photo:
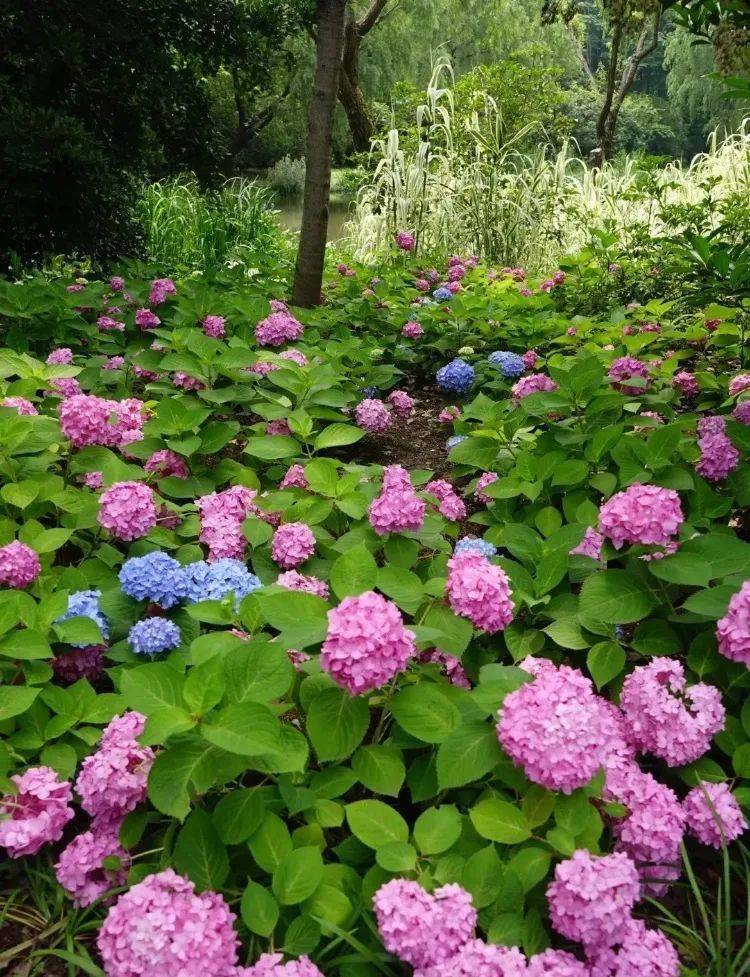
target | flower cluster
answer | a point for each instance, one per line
(270, 965)
(590, 545)
(88, 420)
(19, 565)
(293, 543)
(484, 480)
(166, 464)
(719, 457)
(686, 383)
(278, 328)
(85, 662)
(36, 814)
(450, 505)
(215, 326)
(293, 580)
(366, 644)
(156, 577)
(215, 581)
(733, 630)
(509, 364)
(537, 383)
(402, 404)
(642, 514)
(469, 544)
(372, 415)
(712, 814)
(146, 319)
(627, 368)
(294, 478)
(112, 781)
(456, 376)
(479, 591)
(398, 508)
(80, 869)
(412, 330)
(160, 289)
(450, 666)
(153, 635)
(21, 406)
(221, 516)
(127, 510)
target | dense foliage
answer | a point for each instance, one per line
(336, 698)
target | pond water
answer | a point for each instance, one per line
(290, 214)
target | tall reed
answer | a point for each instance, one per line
(520, 208)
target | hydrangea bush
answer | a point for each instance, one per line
(275, 704)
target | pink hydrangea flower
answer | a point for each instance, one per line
(262, 368)
(479, 959)
(485, 479)
(530, 359)
(479, 591)
(712, 814)
(668, 718)
(93, 480)
(185, 382)
(719, 457)
(422, 929)
(166, 463)
(277, 329)
(398, 508)
(367, 644)
(686, 383)
(293, 580)
(422, 285)
(294, 478)
(294, 356)
(405, 241)
(454, 287)
(112, 781)
(642, 953)
(36, 814)
(556, 963)
(412, 329)
(741, 412)
(66, 387)
(115, 363)
(279, 427)
(590, 545)
(79, 869)
(625, 368)
(160, 289)
(127, 510)
(450, 666)
(372, 415)
(449, 414)
(75, 288)
(534, 384)
(22, 406)
(451, 506)
(591, 898)
(162, 926)
(293, 543)
(61, 356)
(19, 565)
(116, 283)
(221, 518)
(555, 727)
(88, 420)
(79, 663)
(739, 384)
(643, 515)
(106, 323)
(146, 319)
(402, 404)
(215, 326)
(270, 965)
(733, 630)
(456, 273)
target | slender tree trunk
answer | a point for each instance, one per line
(350, 94)
(329, 42)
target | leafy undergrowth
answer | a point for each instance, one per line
(222, 524)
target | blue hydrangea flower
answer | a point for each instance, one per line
(85, 603)
(156, 577)
(153, 635)
(509, 364)
(213, 581)
(456, 376)
(370, 392)
(442, 294)
(453, 441)
(471, 545)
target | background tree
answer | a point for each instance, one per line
(352, 99)
(329, 43)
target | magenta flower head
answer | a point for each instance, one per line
(278, 328)
(479, 591)
(127, 510)
(367, 643)
(668, 718)
(479, 959)
(642, 515)
(733, 630)
(77, 663)
(166, 464)
(79, 869)
(398, 508)
(106, 323)
(405, 241)
(36, 814)
(215, 326)
(294, 356)
(719, 457)
(293, 543)
(19, 565)
(423, 930)
(60, 357)
(534, 384)
(739, 384)
(162, 926)
(372, 415)
(271, 965)
(591, 898)
(556, 963)
(21, 406)
(412, 329)
(686, 383)
(160, 289)
(590, 545)
(626, 368)
(112, 781)
(294, 478)
(485, 479)
(713, 815)
(450, 505)
(450, 666)
(555, 727)
(641, 952)
(740, 413)
(402, 404)
(146, 319)
(293, 580)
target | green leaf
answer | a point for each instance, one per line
(204, 686)
(615, 597)
(437, 829)
(239, 814)
(499, 820)
(402, 586)
(297, 876)
(397, 856)
(425, 712)
(271, 843)
(530, 865)
(246, 728)
(336, 723)
(149, 688)
(79, 631)
(199, 853)
(354, 572)
(483, 876)
(25, 645)
(376, 824)
(468, 754)
(302, 617)
(172, 774)
(257, 673)
(380, 769)
(15, 699)
(338, 435)
(259, 910)
(455, 632)
(711, 603)
(272, 447)
(741, 761)
(605, 661)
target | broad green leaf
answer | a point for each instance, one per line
(425, 712)
(246, 728)
(259, 909)
(297, 876)
(239, 814)
(615, 597)
(467, 754)
(498, 820)
(354, 572)
(380, 769)
(337, 723)
(437, 829)
(375, 823)
(199, 853)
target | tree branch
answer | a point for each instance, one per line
(369, 20)
(647, 42)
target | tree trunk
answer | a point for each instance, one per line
(329, 42)
(350, 94)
